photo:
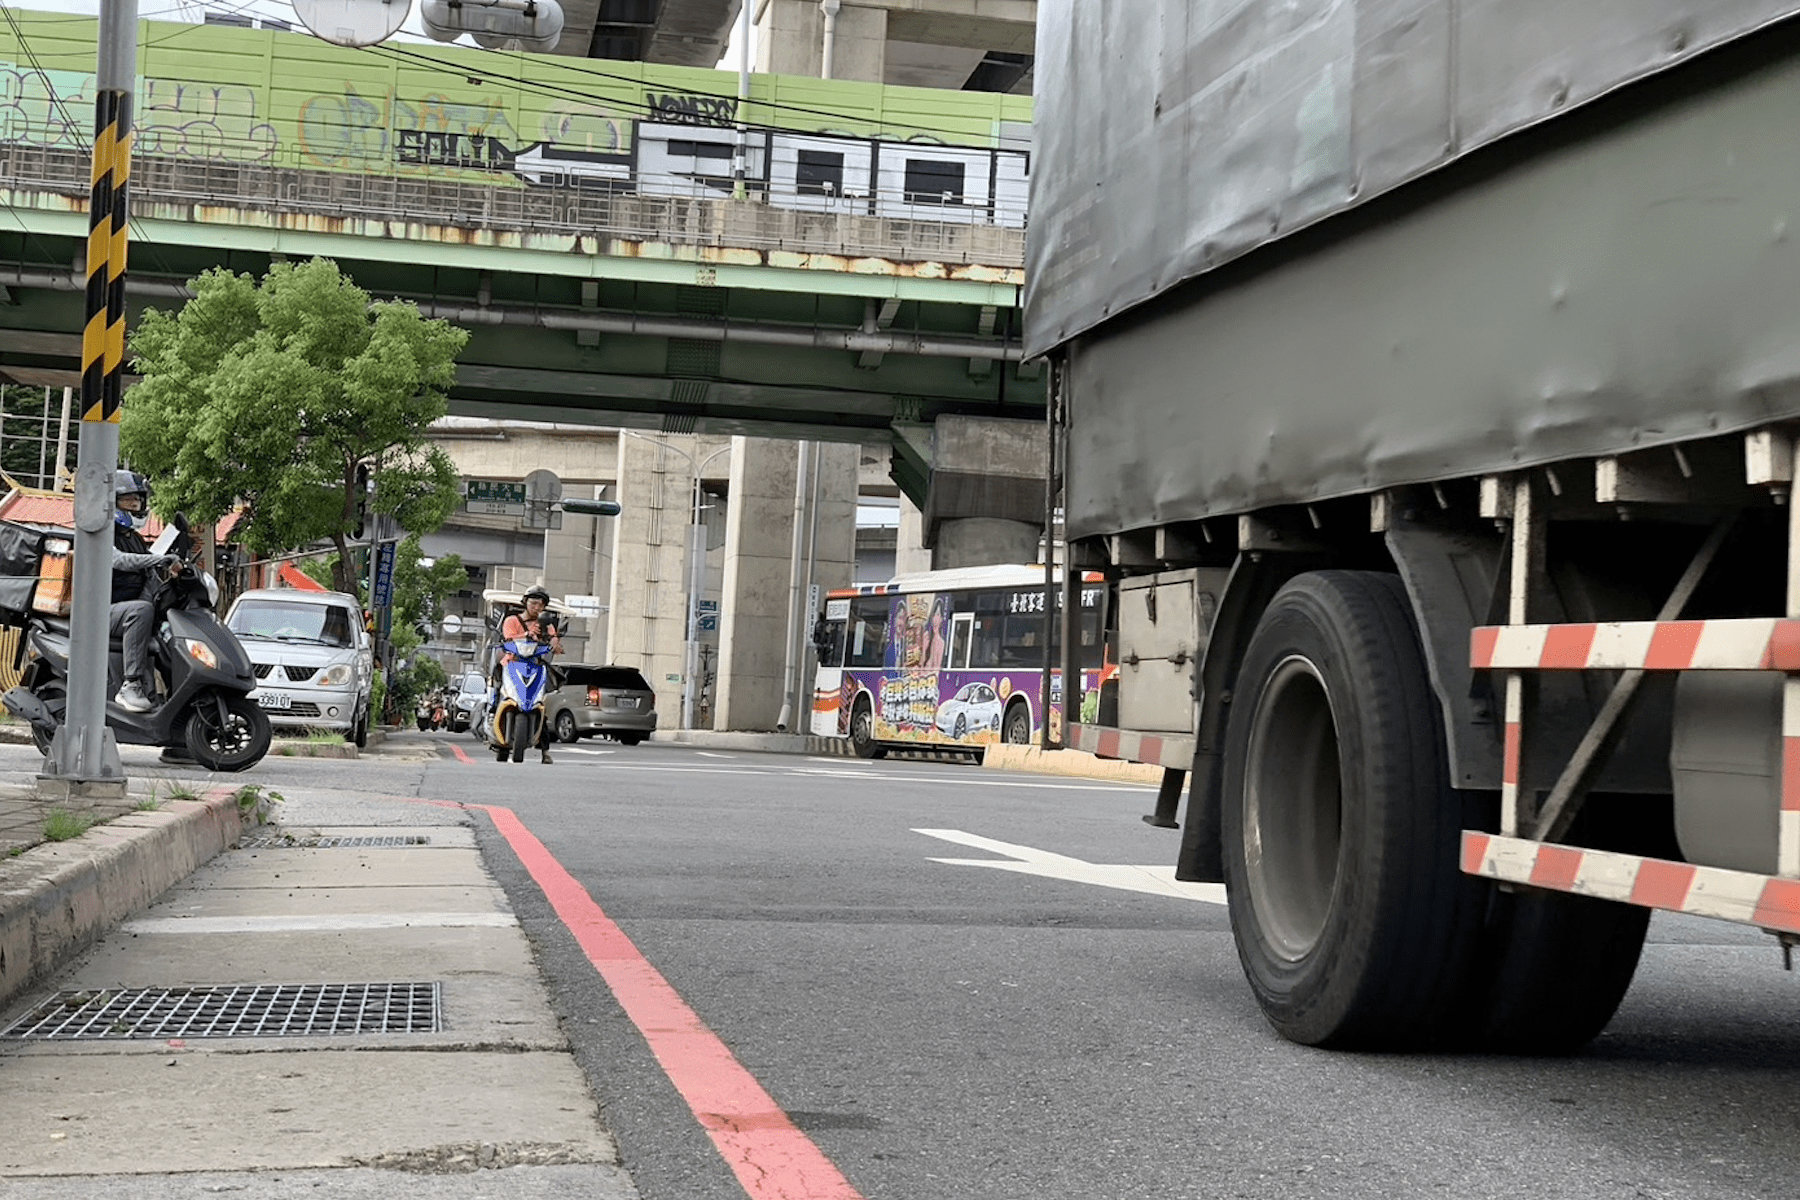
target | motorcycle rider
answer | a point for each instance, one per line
(135, 575)
(532, 623)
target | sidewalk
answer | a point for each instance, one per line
(393, 948)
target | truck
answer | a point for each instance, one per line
(1426, 383)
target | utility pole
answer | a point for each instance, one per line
(84, 758)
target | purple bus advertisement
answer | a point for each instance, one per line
(949, 658)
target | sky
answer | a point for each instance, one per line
(192, 11)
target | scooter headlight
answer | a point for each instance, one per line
(200, 652)
(336, 675)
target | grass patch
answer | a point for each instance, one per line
(61, 824)
(147, 804)
(256, 804)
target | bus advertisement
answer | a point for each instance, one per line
(949, 658)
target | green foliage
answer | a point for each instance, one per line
(60, 824)
(256, 804)
(274, 393)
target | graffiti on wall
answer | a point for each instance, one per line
(685, 144)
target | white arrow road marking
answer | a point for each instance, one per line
(1156, 880)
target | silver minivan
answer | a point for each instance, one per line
(313, 659)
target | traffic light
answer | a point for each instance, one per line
(593, 508)
(361, 492)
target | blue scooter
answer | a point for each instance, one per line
(516, 720)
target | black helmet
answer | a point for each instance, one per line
(127, 483)
(536, 593)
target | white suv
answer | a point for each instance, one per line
(313, 659)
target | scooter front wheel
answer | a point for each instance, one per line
(227, 733)
(56, 699)
(524, 733)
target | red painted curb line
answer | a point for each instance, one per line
(771, 1158)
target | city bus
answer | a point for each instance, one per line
(950, 658)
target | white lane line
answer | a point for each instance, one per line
(713, 754)
(321, 923)
(582, 750)
(1028, 860)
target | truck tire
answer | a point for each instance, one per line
(1354, 924)
(1554, 967)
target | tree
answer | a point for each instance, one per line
(273, 394)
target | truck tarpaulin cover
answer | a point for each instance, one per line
(1225, 124)
(1633, 285)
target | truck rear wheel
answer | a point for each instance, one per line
(1353, 922)
(1553, 966)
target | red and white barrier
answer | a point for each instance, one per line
(1767, 901)
(1158, 749)
(1746, 644)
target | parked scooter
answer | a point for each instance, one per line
(517, 719)
(202, 708)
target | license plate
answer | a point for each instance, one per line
(274, 699)
(627, 701)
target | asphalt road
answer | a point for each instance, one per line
(945, 1031)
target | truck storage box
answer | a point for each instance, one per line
(1163, 623)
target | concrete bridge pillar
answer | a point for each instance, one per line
(985, 504)
(790, 40)
(758, 552)
(648, 598)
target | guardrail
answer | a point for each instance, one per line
(509, 212)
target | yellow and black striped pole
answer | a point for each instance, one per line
(84, 758)
(109, 203)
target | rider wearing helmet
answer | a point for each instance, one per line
(134, 578)
(534, 622)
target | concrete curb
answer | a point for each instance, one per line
(1001, 757)
(1069, 762)
(57, 899)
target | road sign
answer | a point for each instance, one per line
(495, 498)
(383, 591)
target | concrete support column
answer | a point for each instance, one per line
(984, 542)
(911, 555)
(755, 588)
(790, 40)
(986, 503)
(648, 601)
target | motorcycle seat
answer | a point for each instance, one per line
(60, 625)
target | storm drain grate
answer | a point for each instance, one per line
(279, 842)
(261, 1010)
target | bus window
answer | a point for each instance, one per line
(962, 626)
(828, 632)
(867, 632)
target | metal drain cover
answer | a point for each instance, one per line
(261, 1010)
(279, 842)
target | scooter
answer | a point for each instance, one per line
(202, 709)
(517, 718)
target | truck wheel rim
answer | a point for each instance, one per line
(1292, 808)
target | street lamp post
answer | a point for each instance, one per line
(696, 565)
